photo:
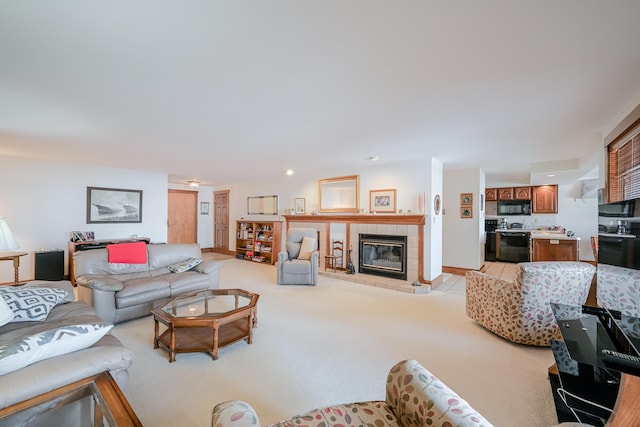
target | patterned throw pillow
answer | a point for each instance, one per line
(31, 304)
(184, 265)
(6, 314)
(29, 349)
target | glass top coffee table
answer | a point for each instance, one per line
(95, 401)
(205, 321)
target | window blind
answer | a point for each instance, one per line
(624, 167)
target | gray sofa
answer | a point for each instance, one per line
(120, 292)
(107, 354)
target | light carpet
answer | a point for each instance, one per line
(335, 343)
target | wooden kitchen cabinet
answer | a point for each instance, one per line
(505, 193)
(544, 199)
(554, 250)
(522, 193)
(491, 194)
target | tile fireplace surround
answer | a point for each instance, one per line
(411, 226)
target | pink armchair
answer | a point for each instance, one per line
(415, 397)
(519, 311)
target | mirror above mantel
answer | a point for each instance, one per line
(341, 194)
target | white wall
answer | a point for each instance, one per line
(44, 201)
(433, 229)
(579, 216)
(463, 246)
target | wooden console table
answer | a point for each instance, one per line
(86, 245)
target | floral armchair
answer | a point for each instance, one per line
(414, 397)
(519, 311)
(619, 289)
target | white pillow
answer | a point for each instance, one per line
(6, 314)
(183, 266)
(31, 304)
(307, 247)
(26, 350)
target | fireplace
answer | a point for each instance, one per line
(383, 255)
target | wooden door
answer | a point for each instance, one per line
(221, 229)
(183, 217)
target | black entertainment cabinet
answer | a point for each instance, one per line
(591, 362)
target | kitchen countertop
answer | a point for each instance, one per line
(628, 236)
(540, 234)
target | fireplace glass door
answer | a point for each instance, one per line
(383, 255)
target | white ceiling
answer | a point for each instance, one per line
(222, 91)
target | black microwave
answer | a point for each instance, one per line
(514, 207)
(624, 209)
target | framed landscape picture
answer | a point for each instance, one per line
(113, 205)
(382, 201)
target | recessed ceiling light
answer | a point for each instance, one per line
(551, 175)
(193, 183)
(373, 158)
(289, 172)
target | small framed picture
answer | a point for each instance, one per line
(204, 208)
(300, 208)
(382, 201)
(466, 212)
(466, 198)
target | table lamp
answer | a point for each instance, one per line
(8, 242)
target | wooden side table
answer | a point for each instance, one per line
(15, 256)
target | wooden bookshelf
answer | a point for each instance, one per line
(258, 241)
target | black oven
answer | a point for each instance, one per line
(513, 246)
(490, 226)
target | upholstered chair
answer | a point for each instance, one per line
(414, 397)
(619, 289)
(298, 265)
(520, 311)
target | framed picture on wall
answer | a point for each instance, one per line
(466, 212)
(466, 198)
(382, 201)
(113, 205)
(204, 208)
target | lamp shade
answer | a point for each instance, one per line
(7, 241)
